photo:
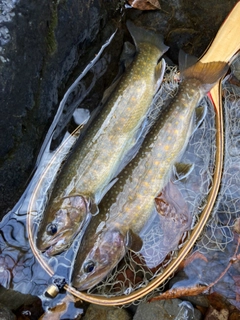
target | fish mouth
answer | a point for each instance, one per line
(83, 285)
(51, 251)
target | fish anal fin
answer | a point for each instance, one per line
(133, 241)
(182, 170)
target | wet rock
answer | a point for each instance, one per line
(13, 300)
(200, 300)
(168, 309)
(186, 25)
(6, 314)
(30, 311)
(106, 313)
(41, 42)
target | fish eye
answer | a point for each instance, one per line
(51, 229)
(89, 266)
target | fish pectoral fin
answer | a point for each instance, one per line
(107, 187)
(182, 170)
(133, 241)
(159, 73)
(200, 114)
(94, 210)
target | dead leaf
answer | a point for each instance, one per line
(237, 283)
(213, 314)
(179, 292)
(145, 4)
(191, 258)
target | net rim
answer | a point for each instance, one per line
(215, 96)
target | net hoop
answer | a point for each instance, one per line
(215, 96)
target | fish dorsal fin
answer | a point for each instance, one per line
(140, 34)
(133, 241)
(182, 170)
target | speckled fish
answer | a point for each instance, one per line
(129, 204)
(95, 162)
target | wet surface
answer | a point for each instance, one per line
(20, 270)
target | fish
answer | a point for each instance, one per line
(87, 174)
(128, 205)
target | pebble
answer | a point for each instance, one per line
(106, 313)
(165, 310)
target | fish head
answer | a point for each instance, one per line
(93, 265)
(64, 220)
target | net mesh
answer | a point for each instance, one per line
(164, 237)
(219, 229)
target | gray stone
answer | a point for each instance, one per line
(168, 309)
(12, 299)
(200, 300)
(106, 313)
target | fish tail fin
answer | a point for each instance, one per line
(207, 73)
(140, 34)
